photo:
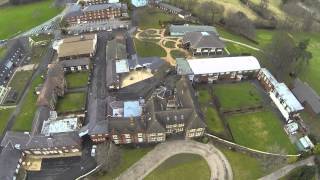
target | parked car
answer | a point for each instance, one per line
(93, 150)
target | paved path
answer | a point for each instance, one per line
(242, 44)
(285, 170)
(218, 163)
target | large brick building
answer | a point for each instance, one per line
(78, 14)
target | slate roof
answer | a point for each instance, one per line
(42, 114)
(183, 67)
(125, 125)
(306, 94)
(26, 141)
(75, 62)
(203, 40)
(9, 159)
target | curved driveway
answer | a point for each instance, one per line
(218, 163)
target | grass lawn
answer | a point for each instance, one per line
(3, 51)
(19, 80)
(260, 130)
(150, 17)
(244, 167)
(71, 102)
(170, 44)
(177, 54)
(147, 49)
(211, 114)
(213, 120)
(24, 119)
(128, 158)
(237, 95)
(16, 19)
(77, 79)
(4, 117)
(312, 73)
(181, 166)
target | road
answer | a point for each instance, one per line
(285, 170)
(218, 163)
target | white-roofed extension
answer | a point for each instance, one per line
(223, 64)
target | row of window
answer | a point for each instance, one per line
(46, 152)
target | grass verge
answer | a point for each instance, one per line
(4, 117)
(71, 102)
(181, 166)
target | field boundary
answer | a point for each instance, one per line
(247, 149)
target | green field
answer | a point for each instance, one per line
(150, 17)
(19, 80)
(181, 166)
(244, 167)
(3, 51)
(28, 108)
(237, 95)
(170, 44)
(260, 130)
(212, 117)
(4, 117)
(312, 73)
(16, 19)
(128, 158)
(71, 102)
(148, 49)
(77, 79)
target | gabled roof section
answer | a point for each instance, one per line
(203, 39)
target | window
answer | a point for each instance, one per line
(114, 137)
(139, 134)
(127, 136)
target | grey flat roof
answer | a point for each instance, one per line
(182, 29)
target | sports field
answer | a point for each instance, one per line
(17, 19)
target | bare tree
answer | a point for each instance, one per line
(190, 4)
(240, 24)
(280, 53)
(209, 10)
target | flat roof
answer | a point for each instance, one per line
(285, 94)
(60, 126)
(223, 64)
(122, 66)
(191, 28)
(132, 109)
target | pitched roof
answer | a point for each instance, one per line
(170, 7)
(75, 62)
(125, 125)
(305, 93)
(203, 40)
(98, 7)
(9, 160)
(25, 141)
(77, 45)
(286, 95)
(223, 64)
(183, 67)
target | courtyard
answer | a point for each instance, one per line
(77, 79)
(71, 102)
(240, 113)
